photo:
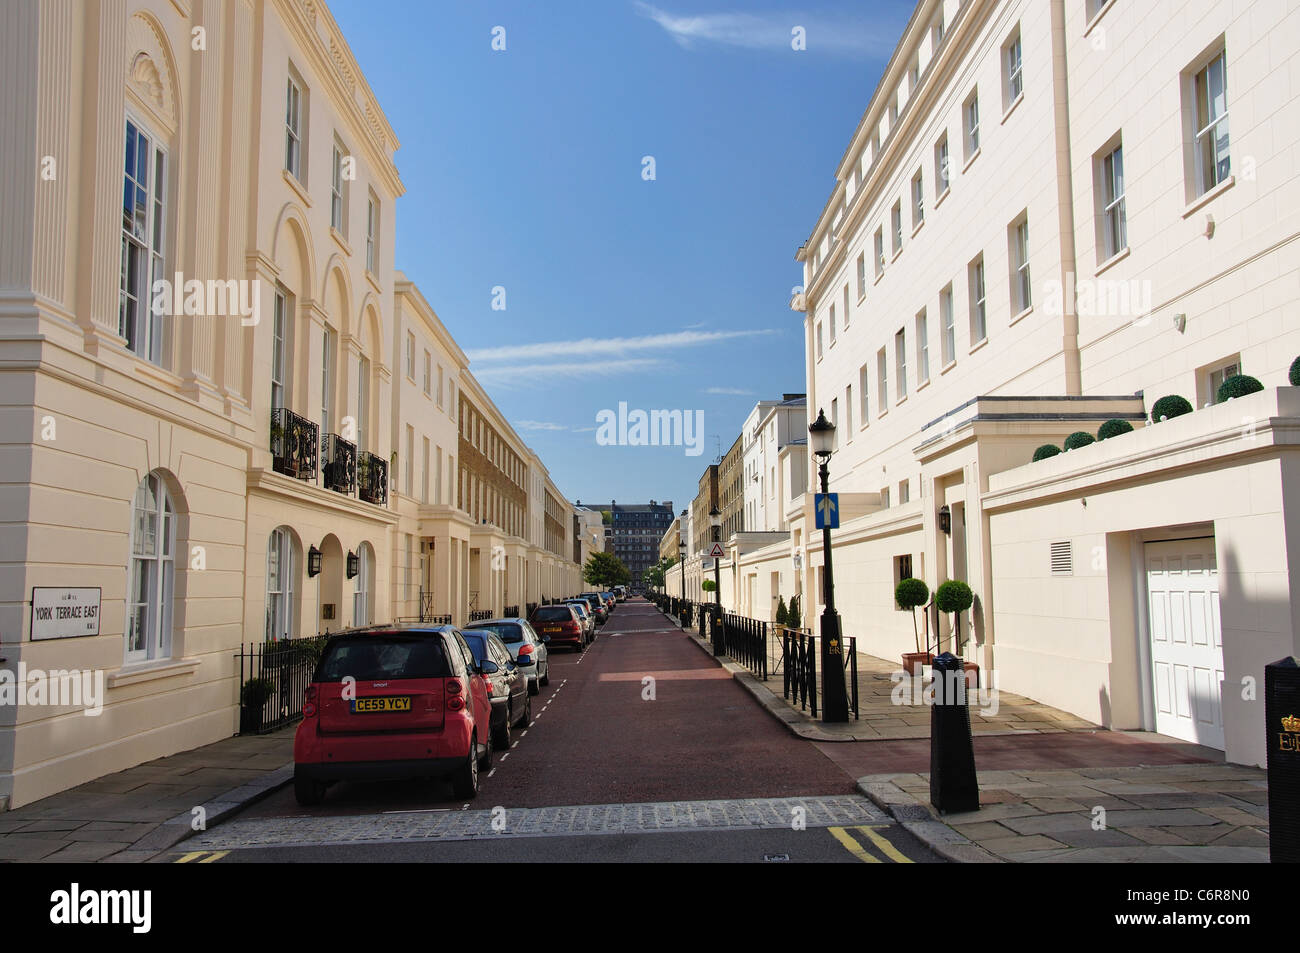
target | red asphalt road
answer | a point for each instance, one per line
(702, 737)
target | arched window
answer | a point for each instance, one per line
(361, 608)
(281, 584)
(151, 572)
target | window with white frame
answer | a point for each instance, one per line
(918, 200)
(372, 235)
(882, 380)
(948, 325)
(835, 422)
(281, 579)
(440, 401)
(848, 414)
(971, 118)
(424, 473)
(281, 349)
(862, 275)
(896, 219)
(363, 402)
(819, 340)
(338, 191)
(937, 30)
(880, 251)
(884, 497)
(293, 129)
(151, 572)
(846, 305)
(428, 374)
(1208, 89)
(922, 348)
(144, 215)
(942, 166)
(1013, 84)
(410, 356)
(361, 594)
(978, 314)
(327, 355)
(831, 322)
(1018, 247)
(410, 460)
(864, 391)
(900, 361)
(1110, 189)
(904, 491)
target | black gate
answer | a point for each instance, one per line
(745, 640)
(273, 677)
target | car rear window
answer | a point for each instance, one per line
(376, 656)
(554, 614)
(505, 631)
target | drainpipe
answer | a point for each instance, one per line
(1065, 204)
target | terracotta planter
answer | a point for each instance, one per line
(972, 671)
(912, 661)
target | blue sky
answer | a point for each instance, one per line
(524, 170)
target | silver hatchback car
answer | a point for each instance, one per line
(527, 647)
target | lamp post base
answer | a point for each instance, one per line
(835, 696)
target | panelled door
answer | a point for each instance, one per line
(1186, 645)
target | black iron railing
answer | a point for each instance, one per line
(800, 652)
(532, 607)
(745, 640)
(511, 612)
(478, 615)
(339, 464)
(273, 677)
(293, 444)
(372, 479)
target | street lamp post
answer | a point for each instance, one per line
(715, 520)
(681, 564)
(835, 698)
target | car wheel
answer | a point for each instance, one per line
(546, 674)
(534, 685)
(501, 736)
(528, 711)
(308, 791)
(485, 759)
(464, 783)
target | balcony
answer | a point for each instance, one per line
(293, 444)
(339, 464)
(372, 479)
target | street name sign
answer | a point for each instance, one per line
(64, 613)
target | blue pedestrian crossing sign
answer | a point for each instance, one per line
(827, 506)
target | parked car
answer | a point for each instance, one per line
(588, 618)
(393, 702)
(597, 606)
(528, 648)
(507, 685)
(562, 623)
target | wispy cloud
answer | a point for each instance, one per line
(860, 35)
(538, 425)
(511, 376)
(583, 429)
(734, 391)
(588, 348)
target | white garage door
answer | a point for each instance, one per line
(1186, 647)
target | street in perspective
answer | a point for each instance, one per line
(665, 432)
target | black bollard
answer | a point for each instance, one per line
(953, 785)
(1282, 724)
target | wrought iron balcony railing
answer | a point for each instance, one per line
(372, 479)
(293, 444)
(339, 464)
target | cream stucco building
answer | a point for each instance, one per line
(190, 455)
(1052, 214)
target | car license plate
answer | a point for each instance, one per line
(550, 628)
(381, 704)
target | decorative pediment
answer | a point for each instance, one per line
(150, 72)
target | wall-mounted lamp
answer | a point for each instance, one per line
(945, 520)
(313, 561)
(1180, 323)
(354, 564)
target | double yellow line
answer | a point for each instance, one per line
(194, 856)
(854, 847)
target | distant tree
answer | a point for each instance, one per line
(604, 570)
(654, 576)
(606, 517)
(782, 613)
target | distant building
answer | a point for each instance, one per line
(635, 530)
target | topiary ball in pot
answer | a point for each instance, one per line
(1167, 408)
(1080, 438)
(1238, 385)
(953, 596)
(911, 593)
(1113, 428)
(1294, 376)
(1045, 451)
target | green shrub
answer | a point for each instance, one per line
(1238, 385)
(1080, 438)
(782, 613)
(795, 619)
(1167, 408)
(953, 596)
(255, 692)
(1294, 376)
(708, 585)
(910, 593)
(1045, 451)
(1113, 428)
